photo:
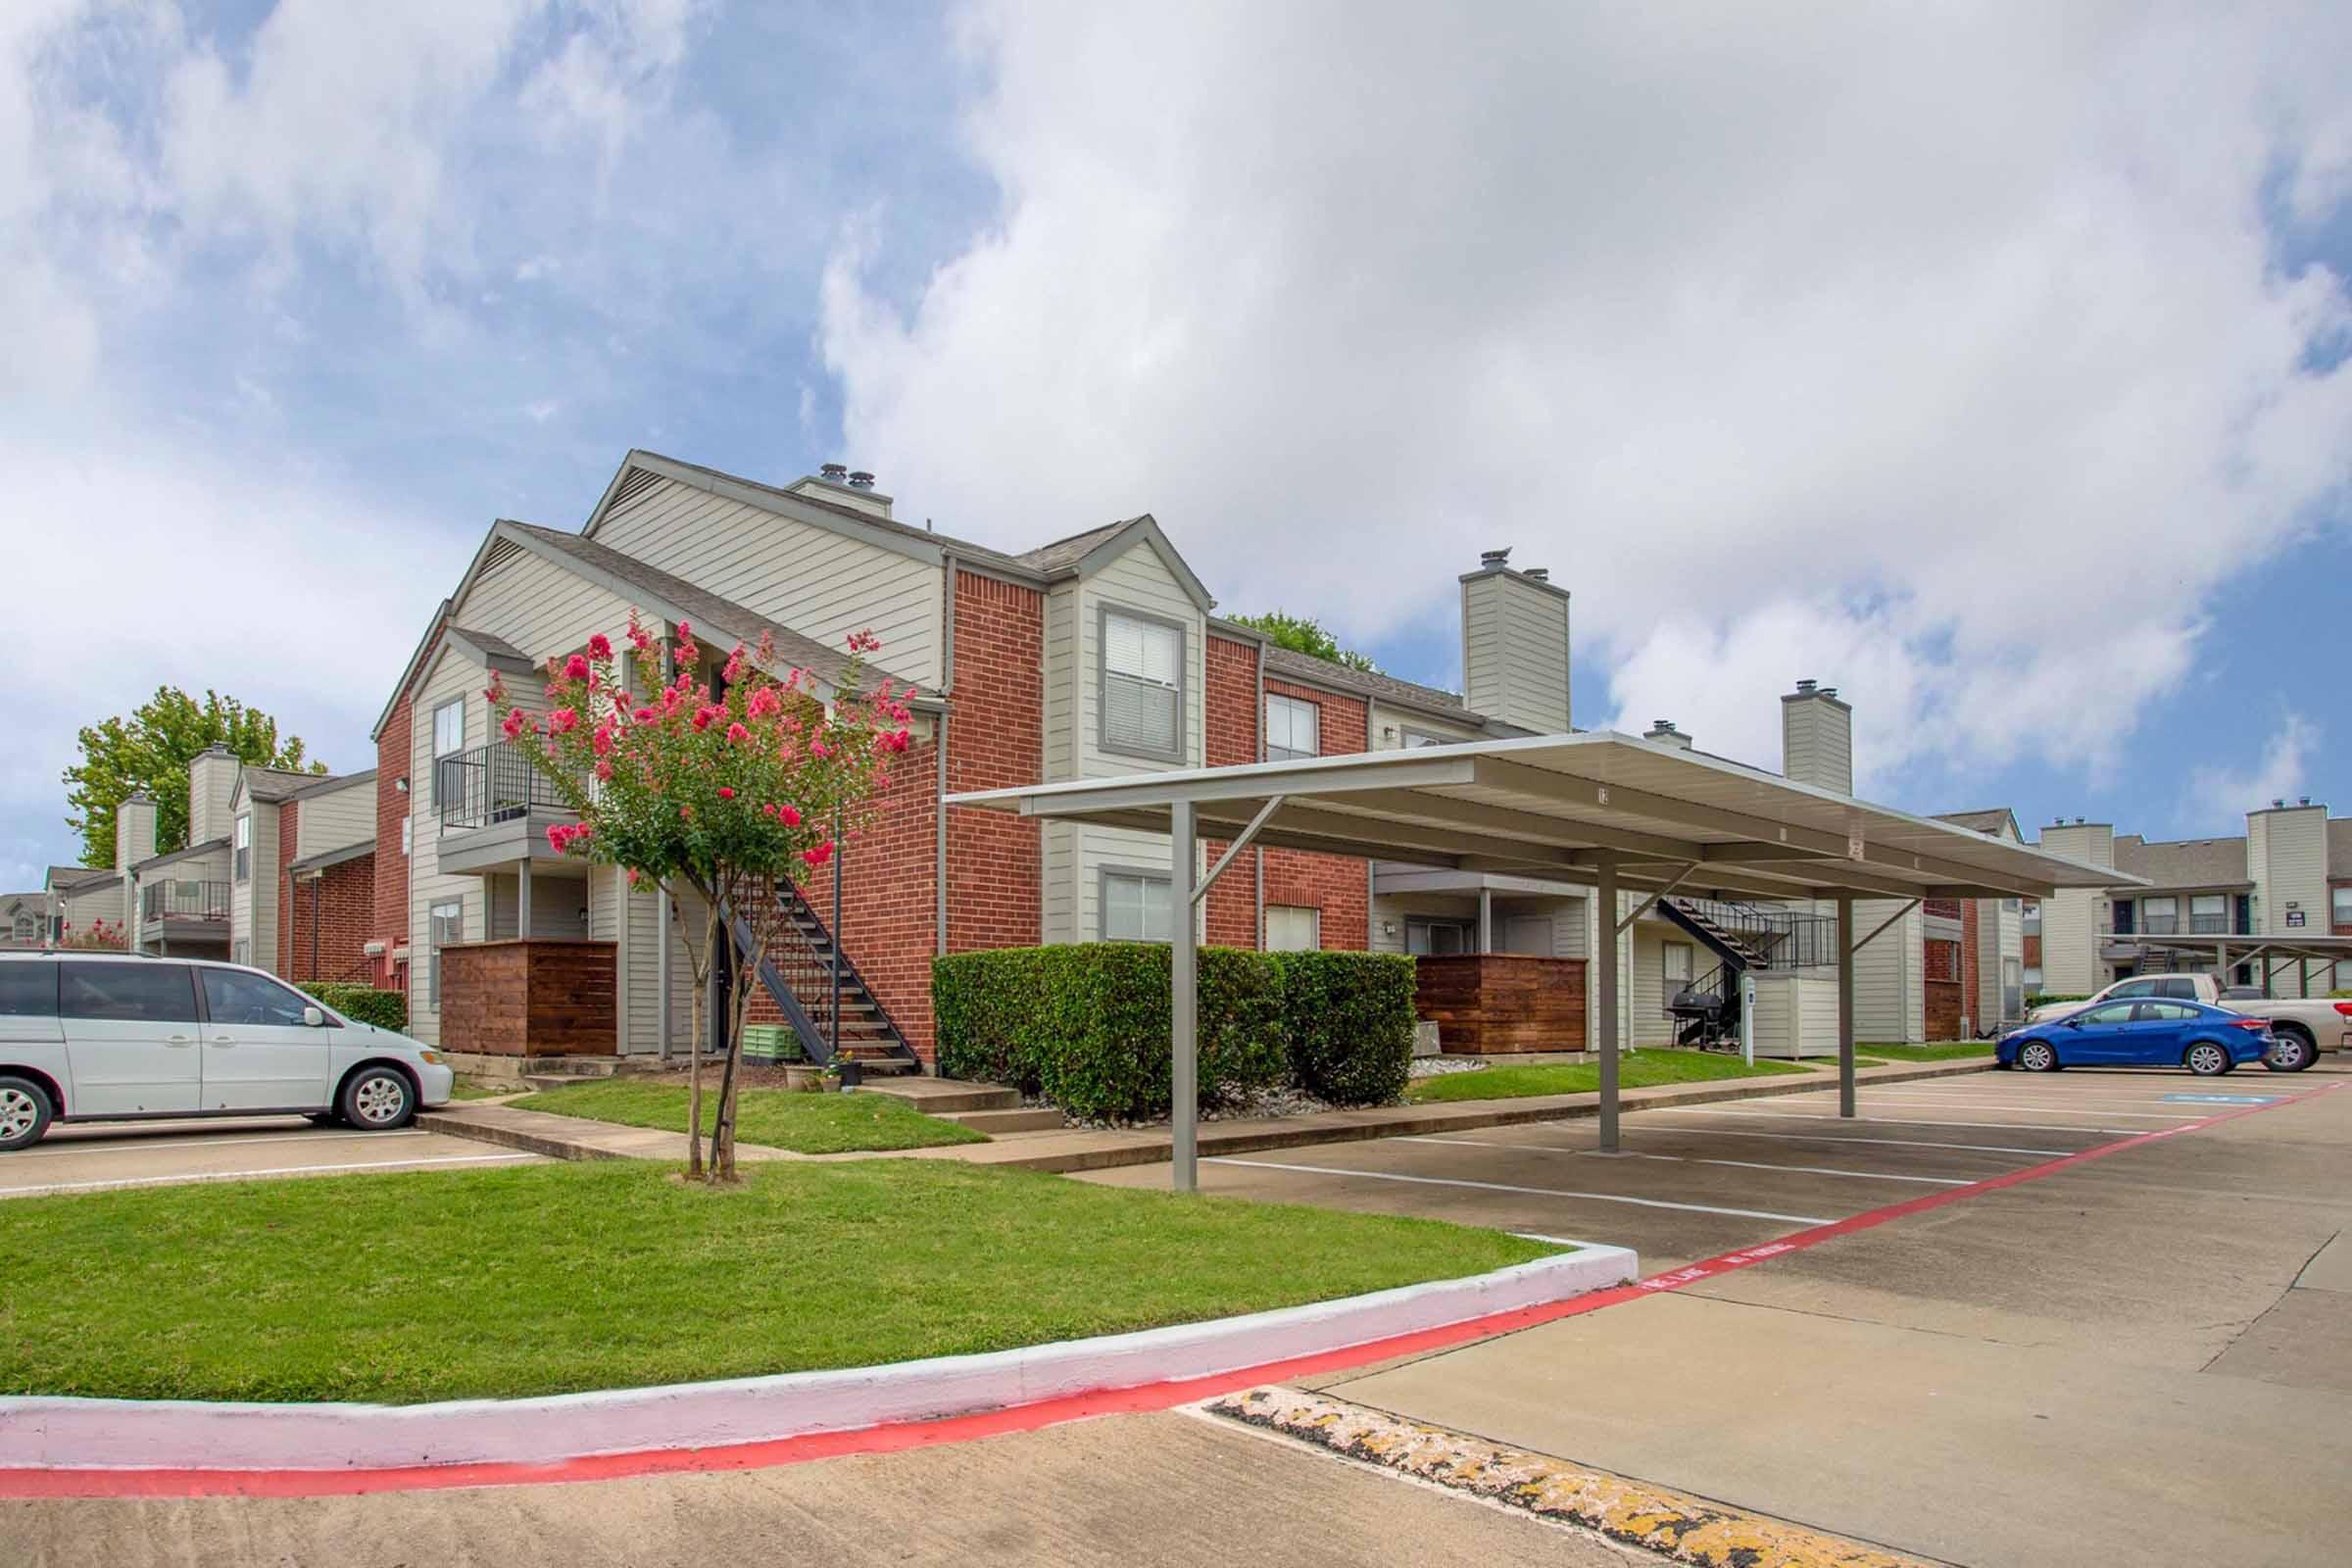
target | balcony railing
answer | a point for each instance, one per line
(487, 785)
(185, 900)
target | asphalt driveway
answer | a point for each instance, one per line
(103, 1156)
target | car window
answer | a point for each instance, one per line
(2162, 1013)
(28, 990)
(2135, 988)
(233, 998)
(2182, 985)
(2112, 1013)
(127, 993)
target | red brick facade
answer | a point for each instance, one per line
(1339, 886)
(1972, 965)
(388, 921)
(345, 912)
(1231, 721)
(995, 740)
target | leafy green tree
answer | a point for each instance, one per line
(150, 750)
(1301, 634)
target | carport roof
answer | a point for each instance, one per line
(1553, 807)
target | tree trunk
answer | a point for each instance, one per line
(694, 1042)
(730, 1092)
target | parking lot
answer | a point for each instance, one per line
(2143, 1355)
(102, 1156)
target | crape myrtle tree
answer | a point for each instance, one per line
(718, 789)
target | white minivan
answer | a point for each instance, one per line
(119, 1037)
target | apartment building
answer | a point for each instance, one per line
(2289, 875)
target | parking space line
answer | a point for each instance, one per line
(1696, 1159)
(129, 1146)
(248, 1175)
(2038, 1111)
(1896, 1121)
(1500, 1187)
(1893, 1142)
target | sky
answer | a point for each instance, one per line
(1989, 364)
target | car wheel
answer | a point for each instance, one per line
(2207, 1060)
(2038, 1055)
(2290, 1052)
(376, 1100)
(25, 1112)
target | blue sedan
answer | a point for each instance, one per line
(2140, 1033)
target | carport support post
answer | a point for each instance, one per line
(1845, 1004)
(1184, 1004)
(1605, 994)
(522, 900)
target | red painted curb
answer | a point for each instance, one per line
(191, 1483)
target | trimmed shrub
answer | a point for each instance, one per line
(386, 1010)
(1086, 1024)
(2039, 999)
(1347, 1019)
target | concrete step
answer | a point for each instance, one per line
(946, 1096)
(1043, 1120)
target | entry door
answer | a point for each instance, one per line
(131, 1037)
(258, 1053)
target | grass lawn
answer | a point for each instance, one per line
(1933, 1051)
(1643, 1067)
(546, 1279)
(781, 1118)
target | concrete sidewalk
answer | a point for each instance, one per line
(1081, 1149)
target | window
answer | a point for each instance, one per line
(1293, 728)
(245, 848)
(445, 922)
(2159, 917)
(233, 998)
(1292, 929)
(2342, 899)
(1438, 938)
(240, 952)
(127, 993)
(1676, 962)
(28, 990)
(2112, 1013)
(1142, 686)
(448, 739)
(25, 928)
(2209, 912)
(2135, 988)
(2179, 985)
(2162, 1011)
(1415, 738)
(1137, 906)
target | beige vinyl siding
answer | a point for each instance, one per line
(1797, 1014)
(2292, 868)
(1891, 975)
(1063, 676)
(1482, 645)
(636, 919)
(1389, 725)
(1395, 908)
(210, 784)
(1515, 653)
(1817, 744)
(451, 675)
(1138, 580)
(1647, 981)
(554, 906)
(334, 820)
(84, 907)
(818, 582)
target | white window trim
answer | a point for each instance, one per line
(1106, 874)
(1175, 751)
(1291, 707)
(240, 851)
(432, 942)
(1315, 935)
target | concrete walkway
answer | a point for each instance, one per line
(1082, 1149)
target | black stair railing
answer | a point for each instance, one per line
(818, 988)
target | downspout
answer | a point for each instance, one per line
(316, 884)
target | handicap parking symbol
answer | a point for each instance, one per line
(2225, 1099)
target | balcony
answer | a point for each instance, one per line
(495, 809)
(184, 912)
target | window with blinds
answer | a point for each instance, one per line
(1137, 908)
(1293, 728)
(445, 922)
(1142, 686)
(1292, 929)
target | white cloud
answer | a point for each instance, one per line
(1941, 355)
(2217, 798)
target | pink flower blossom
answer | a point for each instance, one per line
(819, 749)
(603, 739)
(726, 793)
(864, 642)
(600, 647)
(562, 720)
(575, 669)
(516, 722)
(820, 854)
(604, 769)
(733, 671)
(702, 716)
(789, 815)
(764, 703)
(646, 715)
(737, 734)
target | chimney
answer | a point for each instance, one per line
(1515, 666)
(1817, 738)
(1663, 731)
(2091, 842)
(134, 831)
(840, 485)
(212, 780)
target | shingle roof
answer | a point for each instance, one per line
(326, 858)
(73, 877)
(1992, 821)
(1064, 554)
(2185, 862)
(169, 855)
(487, 643)
(697, 605)
(1380, 688)
(275, 784)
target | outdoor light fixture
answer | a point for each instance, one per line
(401, 783)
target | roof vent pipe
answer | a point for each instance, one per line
(2302, 800)
(2277, 801)
(835, 473)
(861, 480)
(1538, 574)
(1494, 558)
(1804, 688)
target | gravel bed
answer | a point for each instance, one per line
(1440, 1067)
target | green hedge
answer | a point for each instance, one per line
(2043, 999)
(386, 1010)
(1085, 1025)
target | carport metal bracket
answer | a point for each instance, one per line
(1233, 851)
(1644, 906)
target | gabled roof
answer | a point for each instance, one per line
(273, 785)
(2185, 862)
(1992, 822)
(333, 781)
(189, 853)
(326, 858)
(676, 598)
(62, 877)
(492, 653)
(1078, 556)
(1387, 690)
(407, 674)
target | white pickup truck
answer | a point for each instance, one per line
(2303, 1027)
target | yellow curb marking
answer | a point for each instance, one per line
(1682, 1529)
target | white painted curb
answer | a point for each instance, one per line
(170, 1435)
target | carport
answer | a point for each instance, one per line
(2270, 956)
(1598, 811)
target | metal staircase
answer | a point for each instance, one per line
(798, 974)
(1741, 937)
